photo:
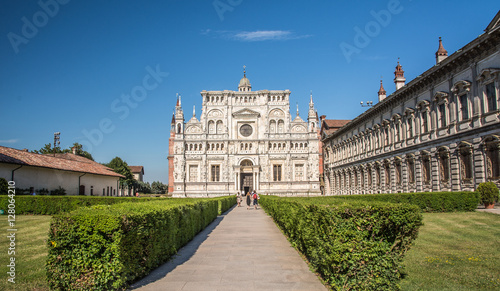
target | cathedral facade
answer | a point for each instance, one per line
(244, 141)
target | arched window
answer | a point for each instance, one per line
(465, 156)
(219, 127)
(492, 147)
(444, 164)
(211, 127)
(410, 163)
(272, 126)
(426, 167)
(281, 126)
(461, 90)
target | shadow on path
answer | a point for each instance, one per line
(182, 256)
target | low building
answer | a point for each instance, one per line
(76, 174)
(439, 132)
(138, 172)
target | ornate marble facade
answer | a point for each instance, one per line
(244, 140)
(440, 132)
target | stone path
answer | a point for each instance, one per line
(241, 250)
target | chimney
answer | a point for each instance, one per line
(441, 53)
(73, 150)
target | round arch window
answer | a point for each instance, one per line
(246, 130)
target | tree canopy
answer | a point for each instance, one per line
(48, 149)
(121, 167)
(158, 187)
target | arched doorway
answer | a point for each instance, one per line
(246, 176)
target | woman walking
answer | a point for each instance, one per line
(249, 200)
(238, 199)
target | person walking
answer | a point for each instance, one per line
(238, 199)
(255, 200)
(249, 200)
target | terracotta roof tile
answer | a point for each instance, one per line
(336, 122)
(65, 162)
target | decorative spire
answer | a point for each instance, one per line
(297, 109)
(178, 99)
(173, 118)
(194, 110)
(399, 78)
(381, 92)
(311, 101)
(244, 85)
(399, 71)
(441, 53)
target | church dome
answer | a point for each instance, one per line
(244, 82)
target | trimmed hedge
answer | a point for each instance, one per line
(353, 244)
(225, 202)
(50, 205)
(427, 201)
(106, 247)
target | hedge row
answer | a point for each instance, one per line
(427, 201)
(225, 202)
(106, 247)
(353, 244)
(50, 205)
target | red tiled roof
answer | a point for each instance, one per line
(65, 162)
(137, 169)
(335, 122)
(329, 126)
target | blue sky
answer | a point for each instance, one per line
(68, 66)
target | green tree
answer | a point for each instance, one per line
(143, 187)
(79, 151)
(158, 187)
(120, 166)
(47, 149)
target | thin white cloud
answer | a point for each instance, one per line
(262, 35)
(258, 35)
(9, 141)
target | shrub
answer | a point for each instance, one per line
(427, 201)
(225, 203)
(4, 186)
(42, 191)
(488, 192)
(354, 245)
(105, 247)
(50, 205)
(58, 192)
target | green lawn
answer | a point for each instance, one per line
(455, 251)
(31, 252)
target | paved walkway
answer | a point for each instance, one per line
(241, 250)
(496, 210)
